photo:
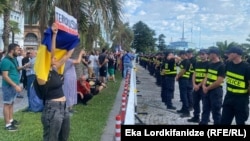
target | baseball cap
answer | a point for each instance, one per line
(190, 51)
(235, 49)
(182, 52)
(203, 51)
(214, 50)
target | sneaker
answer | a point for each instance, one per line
(171, 108)
(14, 122)
(194, 119)
(180, 111)
(11, 128)
(185, 115)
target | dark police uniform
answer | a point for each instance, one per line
(212, 101)
(170, 72)
(190, 84)
(200, 73)
(183, 87)
(236, 100)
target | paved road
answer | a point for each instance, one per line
(150, 102)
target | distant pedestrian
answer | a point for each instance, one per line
(70, 81)
(127, 59)
(103, 65)
(30, 74)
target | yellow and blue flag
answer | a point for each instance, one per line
(64, 42)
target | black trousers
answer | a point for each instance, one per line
(85, 99)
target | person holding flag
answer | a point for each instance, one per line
(56, 48)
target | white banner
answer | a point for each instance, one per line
(65, 21)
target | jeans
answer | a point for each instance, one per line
(30, 79)
(56, 121)
(9, 94)
(127, 67)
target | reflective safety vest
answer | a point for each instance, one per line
(168, 71)
(199, 75)
(212, 77)
(236, 83)
(186, 74)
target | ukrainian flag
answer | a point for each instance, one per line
(64, 42)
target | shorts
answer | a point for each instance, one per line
(111, 71)
(9, 94)
(103, 71)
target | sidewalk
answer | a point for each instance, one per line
(20, 103)
(151, 110)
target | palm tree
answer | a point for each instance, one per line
(223, 46)
(14, 29)
(6, 19)
(122, 35)
(97, 15)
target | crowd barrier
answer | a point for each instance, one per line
(126, 116)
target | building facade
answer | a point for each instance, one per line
(17, 16)
(29, 36)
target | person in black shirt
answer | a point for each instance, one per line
(55, 115)
(103, 65)
(212, 88)
(197, 80)
(170, 71)
(236, 101)
(183, 77)
(192, 60)
(25, 60)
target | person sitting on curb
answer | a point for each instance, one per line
(83, 90)
(95, 85)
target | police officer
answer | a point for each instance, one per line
(236, 101)
(212, 88)
(197, 80)
(183, 78)
(192, 60)
(158, 62)
(170, 71)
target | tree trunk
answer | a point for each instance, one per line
(6, 28)
(75, 4)
(13, 37)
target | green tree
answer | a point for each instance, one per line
(6, 8)
(144, 40)
(122, 35)
(223, 46)
(246, 46)
(95, 17)
(161, 42)
(14, 29)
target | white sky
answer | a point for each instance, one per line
(205, 21)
